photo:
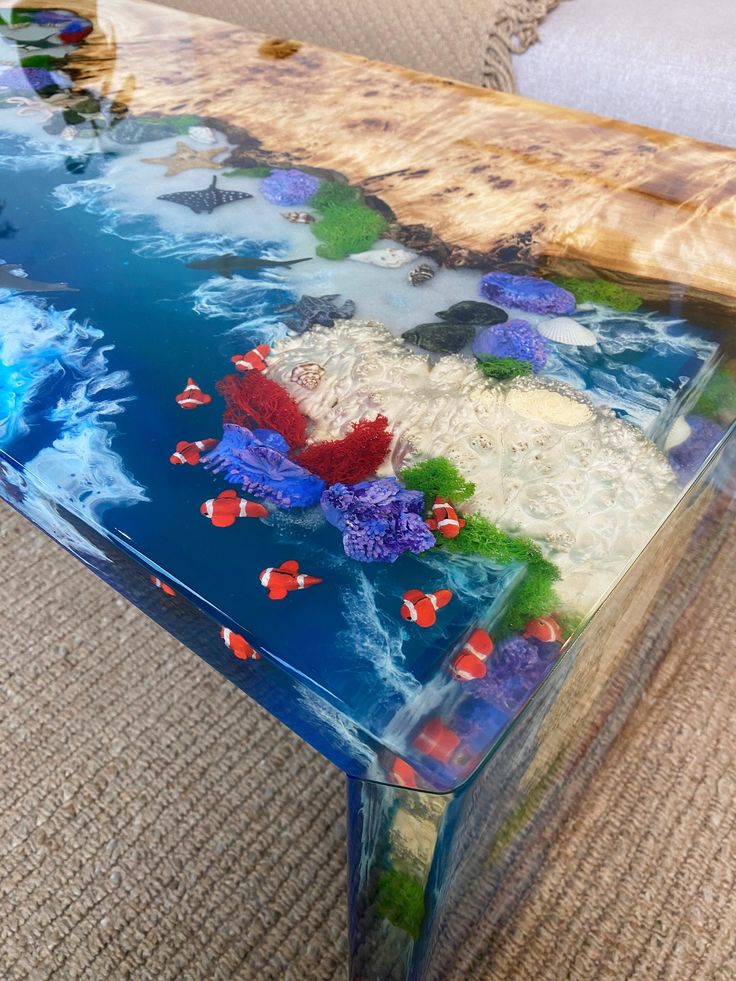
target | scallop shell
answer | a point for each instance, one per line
(565, 330)
(678, 434)
(202, 134)
(420, 274)
(385, 258)
(307, 374)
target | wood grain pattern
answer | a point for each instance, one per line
(477, 166)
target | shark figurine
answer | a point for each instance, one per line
(13, 277)
(206, 200)
(226, 265)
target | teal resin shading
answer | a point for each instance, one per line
(378, 503)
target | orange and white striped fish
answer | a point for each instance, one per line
(192, 396)
(420, 608)
(254, 360)
(160, 584)
(239, 645)
(191, 452)
(227, 507)
(282, 580)
(445, 519)
(470, 663)
(546, 629)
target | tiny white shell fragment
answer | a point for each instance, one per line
(385, 258)
(678, 434)
(565, 330)
(202, 134)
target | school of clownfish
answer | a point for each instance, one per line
(469, 664)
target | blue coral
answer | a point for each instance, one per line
(256, 461)
(379, 519)
(515, 339)
(526, 293)
(687, 458)
(289, 187)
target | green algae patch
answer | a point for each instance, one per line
(600, 291)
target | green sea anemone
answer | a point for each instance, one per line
(718, 398)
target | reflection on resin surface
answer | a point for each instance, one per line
(393, 482)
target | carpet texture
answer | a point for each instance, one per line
(155, 824)
(469, 40)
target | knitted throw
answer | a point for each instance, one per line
(467, 40)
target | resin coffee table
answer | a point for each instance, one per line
(395, 400)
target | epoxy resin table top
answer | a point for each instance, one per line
(387, 377)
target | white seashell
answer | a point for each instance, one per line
(308, 374)
(68, 133)
(202, 134)
(678, 433)
(565, 330)
(385, 258)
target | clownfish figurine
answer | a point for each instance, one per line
(420, 608)
(546, 629)
(402, 774)
(239, 645)
(227, 507)
(191, 452)
(445, 519)
(254, 360)
(282, 580)
(470, 663)
(192, 396)
(160, 584)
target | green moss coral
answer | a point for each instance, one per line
(247, 172)
(600, 291)
(503, 368)
(718, 398)
(535, 595)
(437, 478)
(347, 225)
(401, 901)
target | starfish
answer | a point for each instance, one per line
(206, 200)
(185, 158)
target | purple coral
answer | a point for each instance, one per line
(687, 458)
(379, 519)
(33, 78)
(514, 339)
(256, 461)
(289, 187)
(515, 668)
(526, 293)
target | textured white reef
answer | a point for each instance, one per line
(546, 462)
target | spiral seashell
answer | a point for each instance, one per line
(421, 274)
(308, 374)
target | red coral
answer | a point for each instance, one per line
(352, 458)
(256, 402)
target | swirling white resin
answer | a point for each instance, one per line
(546, 462)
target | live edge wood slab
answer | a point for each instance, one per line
(557, 190)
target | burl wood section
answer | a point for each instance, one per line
(476, 166)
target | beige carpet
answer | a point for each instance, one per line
(155, 824)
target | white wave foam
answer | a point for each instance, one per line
(79, 471)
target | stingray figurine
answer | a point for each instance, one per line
(206, 200)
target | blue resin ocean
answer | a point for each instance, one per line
(87, 386)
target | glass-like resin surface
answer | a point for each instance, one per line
(376, 481)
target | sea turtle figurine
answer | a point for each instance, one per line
(311, 310)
